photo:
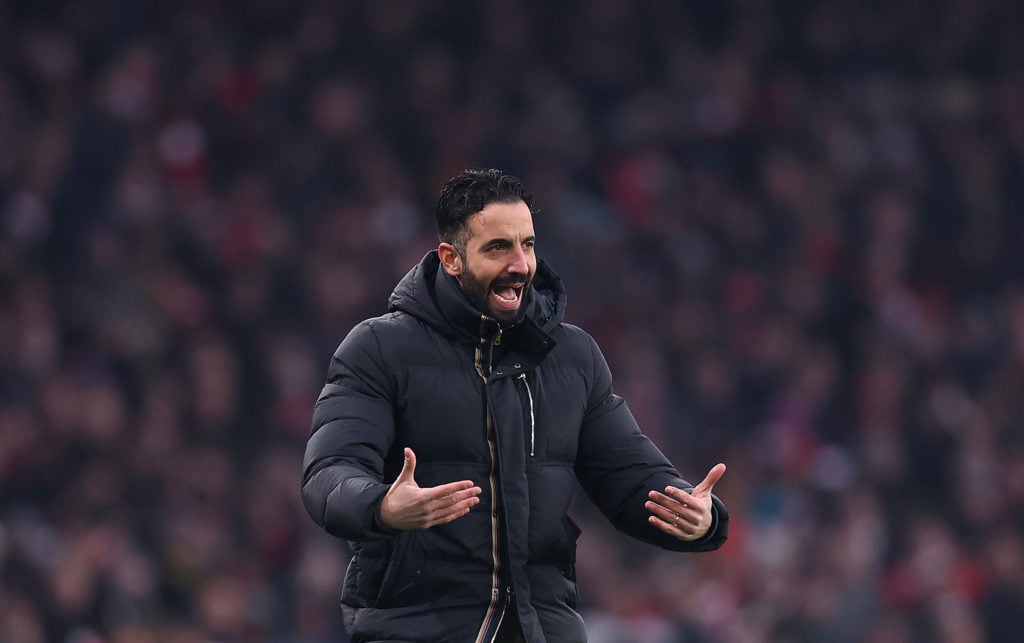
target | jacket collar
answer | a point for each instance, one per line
(432, 295)
(461, 314)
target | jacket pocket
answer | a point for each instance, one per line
(529, 416)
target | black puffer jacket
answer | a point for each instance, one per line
(523, 412)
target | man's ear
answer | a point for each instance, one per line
(451, 260)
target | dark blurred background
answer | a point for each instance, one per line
(796, 229)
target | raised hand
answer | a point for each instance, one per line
(687, 516)
(406, 505)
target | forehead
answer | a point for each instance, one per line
(502, 221)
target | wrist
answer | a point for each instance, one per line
(379, 520)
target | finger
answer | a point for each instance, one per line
(680, 519)
(465, 494)
(448, 489)
(662, 512)
(675, 499)
(407, 474)
(684, 532)
(444, 502)
(454, 512)
(709, 481)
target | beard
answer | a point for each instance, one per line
(478, 292)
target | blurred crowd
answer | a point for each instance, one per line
(795, 228)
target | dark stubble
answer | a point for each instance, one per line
(478, 291)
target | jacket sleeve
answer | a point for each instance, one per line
(617, 466)
(352, 431)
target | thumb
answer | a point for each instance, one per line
(709, 481)
(408, 468)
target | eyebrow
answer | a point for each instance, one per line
(490, 242)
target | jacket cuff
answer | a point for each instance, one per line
(378, 522)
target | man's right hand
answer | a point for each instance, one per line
(408, 506)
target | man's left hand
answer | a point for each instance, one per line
(687, 516)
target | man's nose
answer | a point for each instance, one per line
(519, 264)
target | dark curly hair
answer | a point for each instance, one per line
(469, 192)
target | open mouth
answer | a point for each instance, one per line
(508, 296)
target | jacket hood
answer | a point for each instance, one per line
(429, 293)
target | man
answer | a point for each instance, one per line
(448, 439)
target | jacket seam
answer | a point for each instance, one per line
(380, 353)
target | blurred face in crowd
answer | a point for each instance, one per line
(497, 263)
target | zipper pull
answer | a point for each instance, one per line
(497, 338)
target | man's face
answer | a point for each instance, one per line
(499, 262)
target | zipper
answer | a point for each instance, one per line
(495, 556)
(504, 611)
(490, 355)
(533, 421)
(492, 449)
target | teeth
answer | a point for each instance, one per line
(515, 289)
